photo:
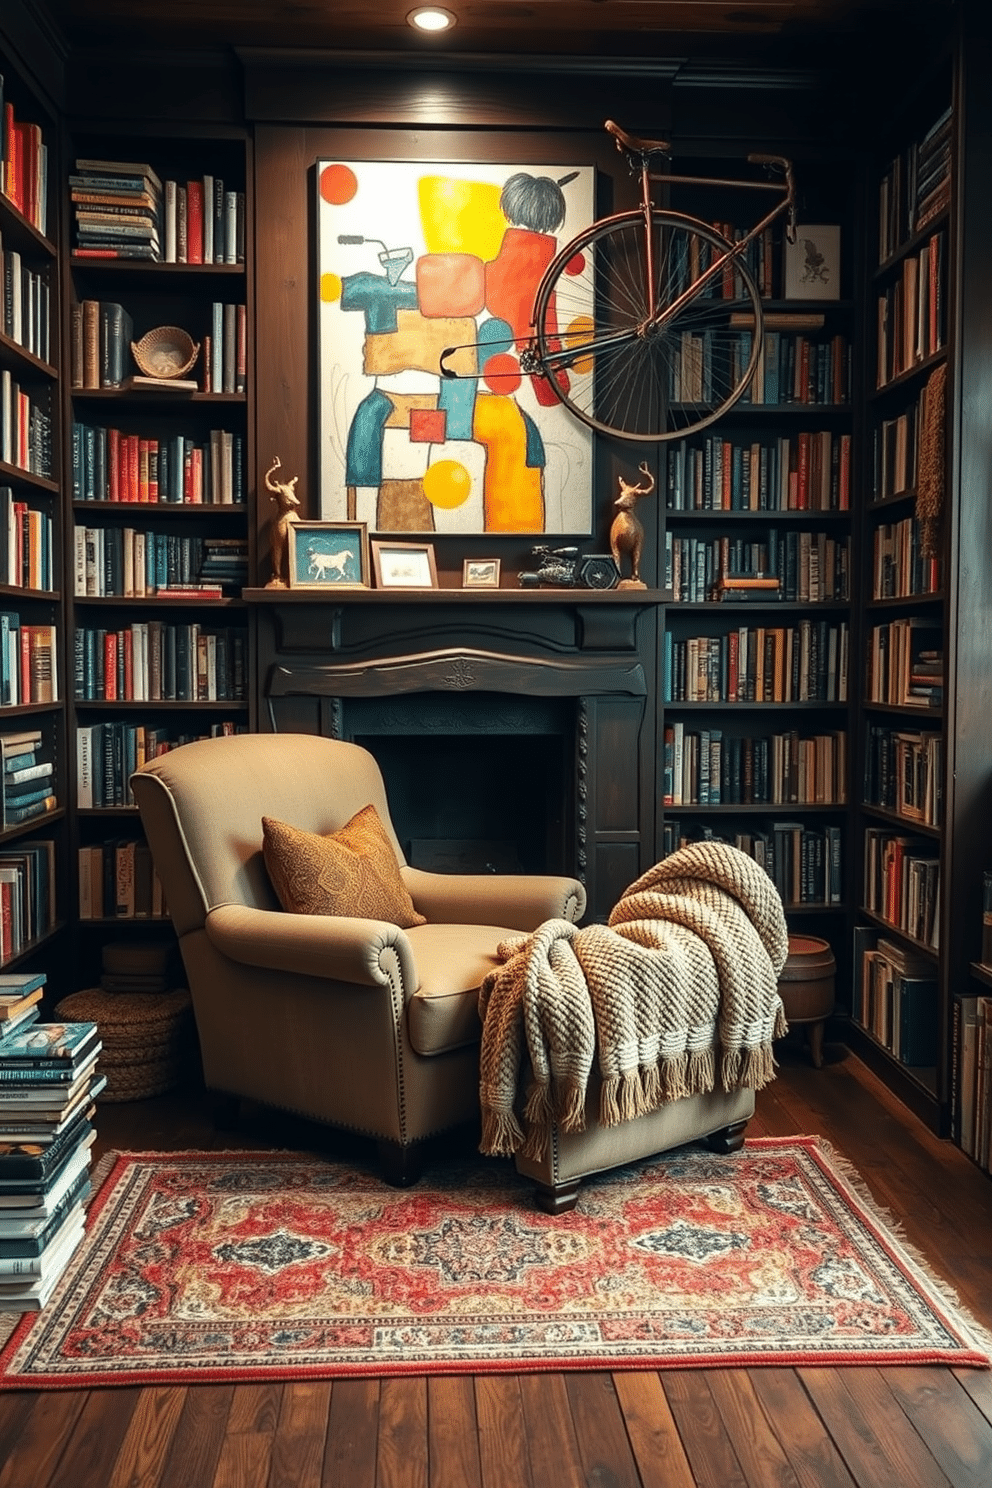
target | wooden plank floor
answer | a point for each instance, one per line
(734, 1428)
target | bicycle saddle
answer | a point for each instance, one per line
(637, 146)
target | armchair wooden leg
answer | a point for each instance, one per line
(401, 1166)
(728, 1138)
(557, 1198)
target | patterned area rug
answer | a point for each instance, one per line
(224, 1266)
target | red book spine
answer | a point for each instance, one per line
(726, 471)
(113, 464)
(12, 165)
(110, 666)
(132, 467)
(194, 221)
(197, 480)
(733, 659)
(143, 471)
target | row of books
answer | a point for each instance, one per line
(759, 258)
(28, 785)
(26, 309)
(802, 663)
(151, 661)
(896, 452)
(203, 222)
(900, 568)
(25, 427)
(49, 1081)
(915, 188)
(23, 164)
(808, 471)
(792, 368)
(125, 563)
(912, 315)
(25, 544)
(805, 863)
(895, 997)
(902, 883)
(28, 661)
(906, 663)
(809, 567)
(117, 880)
(107, 755)
(904, 773)
(109, 465)
(710, 767)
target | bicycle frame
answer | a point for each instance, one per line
(658, 316)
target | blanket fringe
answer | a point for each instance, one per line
(747, 1069)
(501, 1133)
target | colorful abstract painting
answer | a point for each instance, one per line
(415, 258)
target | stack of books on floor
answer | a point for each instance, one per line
(48, 1084)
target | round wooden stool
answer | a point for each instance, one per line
(806, 987)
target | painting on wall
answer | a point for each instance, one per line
(415, 258)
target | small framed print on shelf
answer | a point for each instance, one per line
(812, 263)
(328, 555)
(404, 565)
(480, 573)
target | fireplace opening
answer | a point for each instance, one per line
(479, 803)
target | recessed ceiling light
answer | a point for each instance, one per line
(431, 18)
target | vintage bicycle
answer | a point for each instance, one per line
(648, 325)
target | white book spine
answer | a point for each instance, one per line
(170, 221)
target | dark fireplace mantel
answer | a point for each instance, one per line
(460, 669)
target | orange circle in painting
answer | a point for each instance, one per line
(501, 373)
(338, 184)
(577, 332)
(576, 264)
(330, 288)
(447, 484)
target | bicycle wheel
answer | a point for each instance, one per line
(618, 370)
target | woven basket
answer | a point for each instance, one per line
(167, 351)
(149, 1042)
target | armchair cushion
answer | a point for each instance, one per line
(353, 871)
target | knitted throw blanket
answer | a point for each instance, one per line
(678, 991)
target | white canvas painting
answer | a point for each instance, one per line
(414, 258)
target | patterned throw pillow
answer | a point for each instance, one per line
(349, 872)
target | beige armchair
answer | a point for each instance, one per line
(353, 1022)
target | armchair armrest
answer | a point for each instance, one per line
(338, 948)
(518, 901)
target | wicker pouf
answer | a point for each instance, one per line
(148, 1038)
(806, 987)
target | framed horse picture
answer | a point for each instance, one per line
(328, 555)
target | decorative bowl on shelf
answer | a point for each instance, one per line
(167, 351)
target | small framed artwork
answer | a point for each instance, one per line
(812, 263)
(404, 565)
(328, 555)
(480, 573)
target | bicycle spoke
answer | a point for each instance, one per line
(642, 365)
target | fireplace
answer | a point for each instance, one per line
(527, 756)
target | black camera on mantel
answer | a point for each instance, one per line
(567, 568)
